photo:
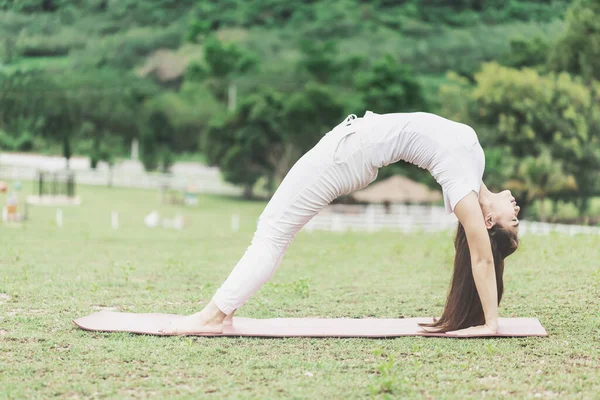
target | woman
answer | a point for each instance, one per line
(348, 159)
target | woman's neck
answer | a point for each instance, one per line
(484, 195)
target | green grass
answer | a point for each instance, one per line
(49, 276)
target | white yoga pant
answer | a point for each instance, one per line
(337, 165)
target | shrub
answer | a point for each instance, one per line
(59, 44)
(127, 49)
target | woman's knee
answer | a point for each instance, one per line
(271, 239)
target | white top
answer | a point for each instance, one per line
(449, 150)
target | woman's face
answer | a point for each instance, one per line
(504, 211)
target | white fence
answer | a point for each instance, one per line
(371, 218)
(205, 181)
(337, 218)
(543, 228)
(412, 218)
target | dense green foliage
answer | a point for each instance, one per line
(531, 113)
(341, 16)
(528, 114)
(233, 79)
(68, 108)
(578, 50)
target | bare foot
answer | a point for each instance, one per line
(192, 325)
(209, 320)
(228, 321)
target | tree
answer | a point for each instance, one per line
(60, 121)
(22, 109)
(390, 87)
(70, 109)
(156, 141)
(35, 102)
(173, 124)
(222, 63)
(539, 177)
(320, 60)
(246, 144)
(307, 116)
(387, 86)
(527, 53)
(529, 112)
(268, 133)
(209, 16)
(578, 51)
(7, 50)
(101, 113)
(499, 167)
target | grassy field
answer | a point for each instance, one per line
(49, 276)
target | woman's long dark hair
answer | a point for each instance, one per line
(463, 307)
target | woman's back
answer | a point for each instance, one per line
(449, 150)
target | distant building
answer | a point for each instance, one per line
(398, 189)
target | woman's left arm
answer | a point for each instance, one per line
(468, 212)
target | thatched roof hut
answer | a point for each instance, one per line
(165, 66)
(397, 189)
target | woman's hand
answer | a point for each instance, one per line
(430, 329)
(475, 331)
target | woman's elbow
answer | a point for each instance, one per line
(483, 263)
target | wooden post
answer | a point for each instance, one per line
(235, 222)
(114, 220)
(59, 218)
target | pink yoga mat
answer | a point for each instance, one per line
(106, 321)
